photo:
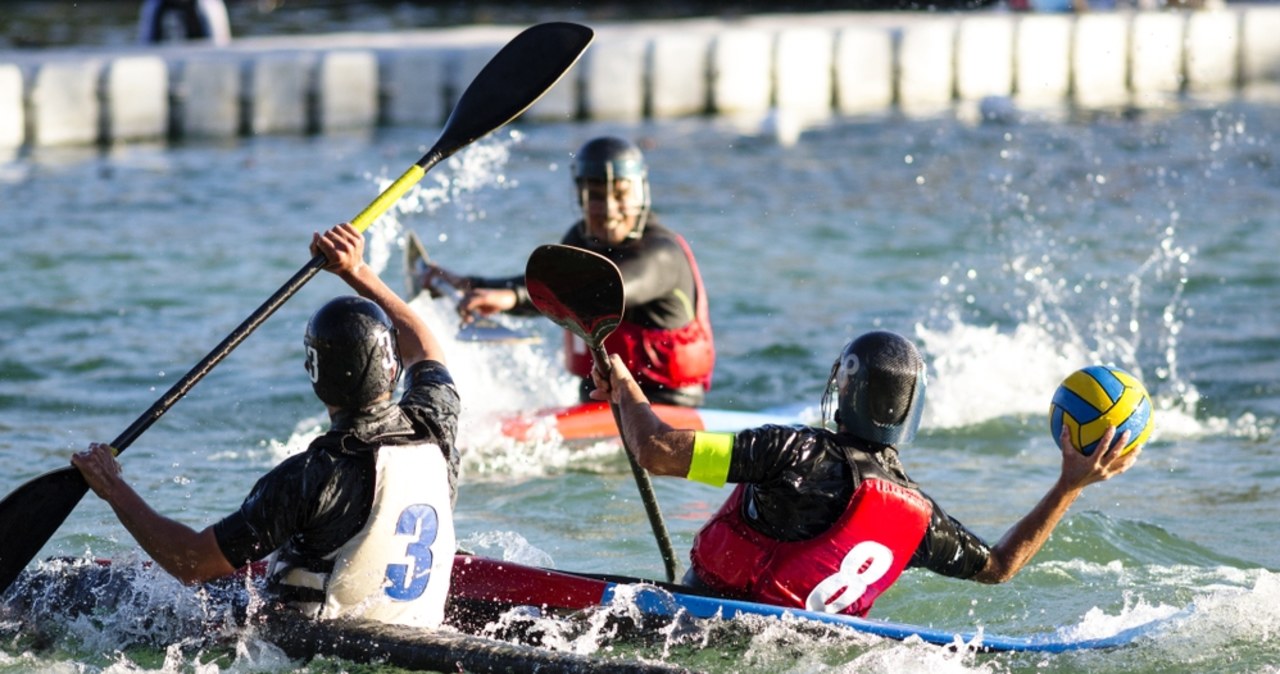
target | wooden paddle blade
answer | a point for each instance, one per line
(31, 513)
(514, 79)
(577, 289)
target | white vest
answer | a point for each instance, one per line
(396, 569)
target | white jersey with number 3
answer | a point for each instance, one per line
(396, 569)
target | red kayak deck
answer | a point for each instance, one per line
(594, 420)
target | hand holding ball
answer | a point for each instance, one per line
(1095, 397)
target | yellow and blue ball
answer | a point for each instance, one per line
(1095, 397)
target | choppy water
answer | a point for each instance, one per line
(1014, 252)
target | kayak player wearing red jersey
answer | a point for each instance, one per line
(665, 335)
(827, 521)
(360, 524)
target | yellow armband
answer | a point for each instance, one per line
(710, 461)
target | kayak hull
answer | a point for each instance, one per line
(482, 590)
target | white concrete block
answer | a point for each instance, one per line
(613, 77)
(741, 66)
(802, 71)
(678, 74)
(463, 66)
(279, 87)
(64, 104)
(1260, 48)
(1155, 59)
(347, 90)
(863, 70)
(926, 64)
(1042, 52)
(135, 98)
(12, 116)
(984, 57)
(414, 87)
(1213, 47)
(1099, 62)
(207, 97)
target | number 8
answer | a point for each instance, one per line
(866, 563)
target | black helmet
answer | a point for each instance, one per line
(351, 352)
(609, 158)
(879, 382)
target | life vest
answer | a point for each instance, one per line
(671, 358)
(842, 570)
(396, 568)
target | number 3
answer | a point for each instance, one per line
(866, 563)
(407, 582)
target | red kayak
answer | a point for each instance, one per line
(594, 421)
(481, 584)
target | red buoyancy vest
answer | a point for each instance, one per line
(674, 358)
(842, 570)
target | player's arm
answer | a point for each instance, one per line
(1025, 538)
(190, 556)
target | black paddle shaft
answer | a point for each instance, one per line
(517, 76)
(582, 292)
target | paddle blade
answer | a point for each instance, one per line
(30, 515)
(514, 79)
(577, 289)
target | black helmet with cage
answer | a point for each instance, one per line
(351, 352)
(878, 384)
(608, 159)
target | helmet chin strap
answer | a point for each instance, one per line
(828, 407)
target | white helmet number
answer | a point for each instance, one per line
(388, 352)
(313, 364)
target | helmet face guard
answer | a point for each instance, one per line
(352, 356)
(600, 168)
(879, 383)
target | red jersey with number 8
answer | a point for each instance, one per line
(842, 570)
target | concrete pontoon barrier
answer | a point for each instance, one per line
(798, 66)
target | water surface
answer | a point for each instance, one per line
(1012, 252)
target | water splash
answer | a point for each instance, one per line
(1009, 329)
(494, 381)
(512, 547)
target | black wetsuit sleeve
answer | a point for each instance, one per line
(798, 483)
(276, 507)
(949, 548)
(524, 307)
(765, 454)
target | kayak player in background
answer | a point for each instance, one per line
(361, 523)
(665, 334)
(826, 521)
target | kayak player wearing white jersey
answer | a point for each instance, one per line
(665, 334)
(825, 520)
(361, 523)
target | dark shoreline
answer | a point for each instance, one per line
(36, 24)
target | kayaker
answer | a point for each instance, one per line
(665, 334)
(828, 520)
(361, 523)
